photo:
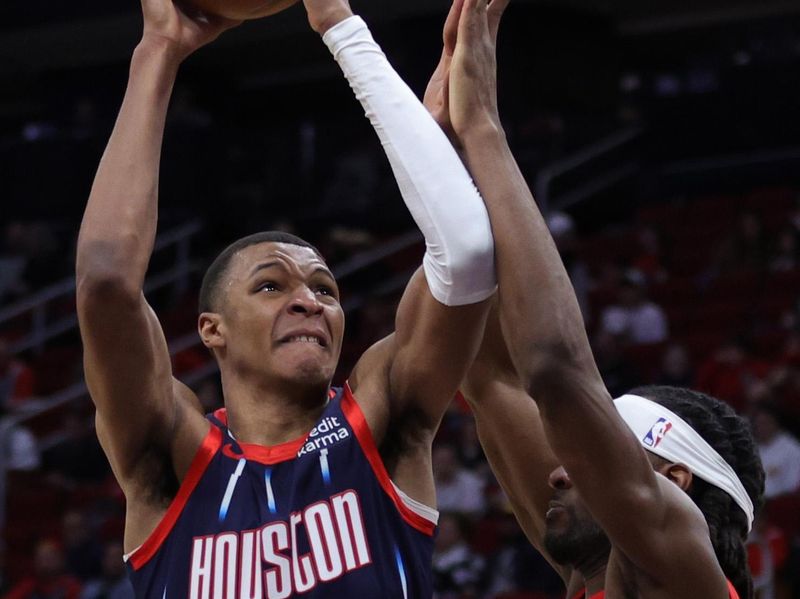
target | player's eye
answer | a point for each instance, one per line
(268, 286)
(325, 290)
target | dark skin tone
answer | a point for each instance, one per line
(659, 538)
(276, 330)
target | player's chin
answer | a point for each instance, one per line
(310, 371)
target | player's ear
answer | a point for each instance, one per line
(211, 329)
(677, 473)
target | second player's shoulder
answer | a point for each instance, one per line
(678, 559)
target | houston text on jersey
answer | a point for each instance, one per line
(267, 563)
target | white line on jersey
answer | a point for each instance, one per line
(402, 571)
(226, 499)
(270, 495)
(323, 465)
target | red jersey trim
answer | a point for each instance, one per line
(358, 423)
(205, 453)
(267, 455)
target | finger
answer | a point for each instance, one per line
(451, 26)
(473, 18)
(495, 12)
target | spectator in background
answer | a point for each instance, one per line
(517, 567)
(634, 317)
(649, 259)
(780, 452)
(457, 489)
(77, 458)
(470, 452)
(676, 368)
(16, 378)
(457, 570)
(562, 228)
(82, 550)
(730, 372)
(20, 449)
(49, 581)
(114, 582)
(767, 552)
(619, 373)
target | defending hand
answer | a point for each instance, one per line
(437, 94)
(473, 70)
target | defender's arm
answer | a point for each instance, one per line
(548, 345)
(512, 434)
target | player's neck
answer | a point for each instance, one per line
(271, 416)
(594, 577)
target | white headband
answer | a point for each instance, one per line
(666, 434)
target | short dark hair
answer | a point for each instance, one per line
(209, 290)
(729, 434)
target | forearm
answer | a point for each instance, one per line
(433, 181)
(119, 224)
(539, 312)
(546, 338)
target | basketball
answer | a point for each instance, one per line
(241, 9)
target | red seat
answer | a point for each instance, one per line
(784, 512)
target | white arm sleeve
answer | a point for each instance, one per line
(436, 187)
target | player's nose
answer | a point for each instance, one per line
(304, 301)
(559, 479)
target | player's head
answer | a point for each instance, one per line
(730, 436)
(572, 537)
(270, 312)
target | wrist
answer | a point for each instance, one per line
(330, 18)
(155, 65)
(481, 132)
(156, 47)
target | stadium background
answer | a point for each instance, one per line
(663, 138)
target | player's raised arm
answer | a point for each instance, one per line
(542, 323)
(508, 422)
(126, 361)
(512, 435)
(440, 318)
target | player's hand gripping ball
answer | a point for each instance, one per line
(241, 9)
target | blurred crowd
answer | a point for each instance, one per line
(716, 310)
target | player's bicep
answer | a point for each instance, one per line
(433, 347)
(128, 373)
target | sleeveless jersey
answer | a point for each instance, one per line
(601, 595)
(317, 516)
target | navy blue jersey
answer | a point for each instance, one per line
(317, 517)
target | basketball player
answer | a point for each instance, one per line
(656, 491)
(293, 488)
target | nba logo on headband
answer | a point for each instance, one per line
(657, 432)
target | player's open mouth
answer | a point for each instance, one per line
(306, 339)
(554, 508)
